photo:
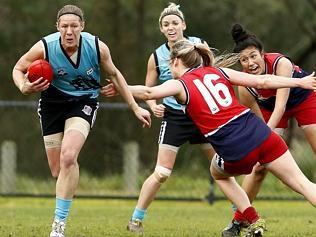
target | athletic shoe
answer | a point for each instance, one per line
(233, 229)
(58, 229)
(135, 226)
(256, 229)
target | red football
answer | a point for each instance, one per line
(40, 68)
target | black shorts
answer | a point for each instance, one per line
(55, 107)
(177, 128)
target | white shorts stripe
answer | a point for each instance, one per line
(162, 132)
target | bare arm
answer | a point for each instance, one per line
(19, 73)
(269, 81)
(120, 84)
(168, 88)
(248, 100)
(151, 78)
(284, 68)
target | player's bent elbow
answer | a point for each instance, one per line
(149, 96)
(145, 96)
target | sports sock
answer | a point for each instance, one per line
(62, 208)
(234, 208)
(238, 216)
(139, 214)
(250, 215)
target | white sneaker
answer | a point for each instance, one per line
(58, 229)
(135, 226)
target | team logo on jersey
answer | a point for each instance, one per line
(61, 72)
(90, 71)
(87, 110)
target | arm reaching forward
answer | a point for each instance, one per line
(168, 88)
(268, 81)
(120, 84)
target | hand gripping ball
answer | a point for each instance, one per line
(40, 68)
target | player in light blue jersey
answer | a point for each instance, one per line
(176, 127)
(68, 106)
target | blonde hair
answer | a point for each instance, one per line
(70, 9)
(196, 54)
(172, 9)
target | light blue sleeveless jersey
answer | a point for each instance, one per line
(162, 57)
(76, 79)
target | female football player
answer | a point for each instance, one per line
(68, 106)
(176, 127)
(276, 106)
(239, 137)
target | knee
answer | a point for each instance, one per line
(161, 174)
(68, 158)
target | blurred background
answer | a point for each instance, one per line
(119, 154)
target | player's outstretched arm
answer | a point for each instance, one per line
(120, 84)
(168, 88)
(268, 81)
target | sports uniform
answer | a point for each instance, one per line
(75, 87)
(301, 103)
(239, 137)
(176, 127)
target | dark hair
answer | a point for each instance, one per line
(243, 40)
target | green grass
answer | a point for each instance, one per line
(31, 217)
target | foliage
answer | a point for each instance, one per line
(130, 28)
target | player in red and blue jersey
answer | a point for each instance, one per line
(276, 106)
(239, 137)
(266, 98)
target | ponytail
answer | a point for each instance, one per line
(199, 54)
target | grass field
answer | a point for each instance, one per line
(31, 217)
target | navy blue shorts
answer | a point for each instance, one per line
(55, 107)
(177, 128)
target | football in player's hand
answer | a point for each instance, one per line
(40, 68)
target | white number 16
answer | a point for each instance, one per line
(211, 92)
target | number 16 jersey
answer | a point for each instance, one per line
(213, 106)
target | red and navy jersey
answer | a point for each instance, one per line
(211, 99)
(214, 108)
(266, 97)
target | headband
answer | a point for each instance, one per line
(70, 13)
(172, 13)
